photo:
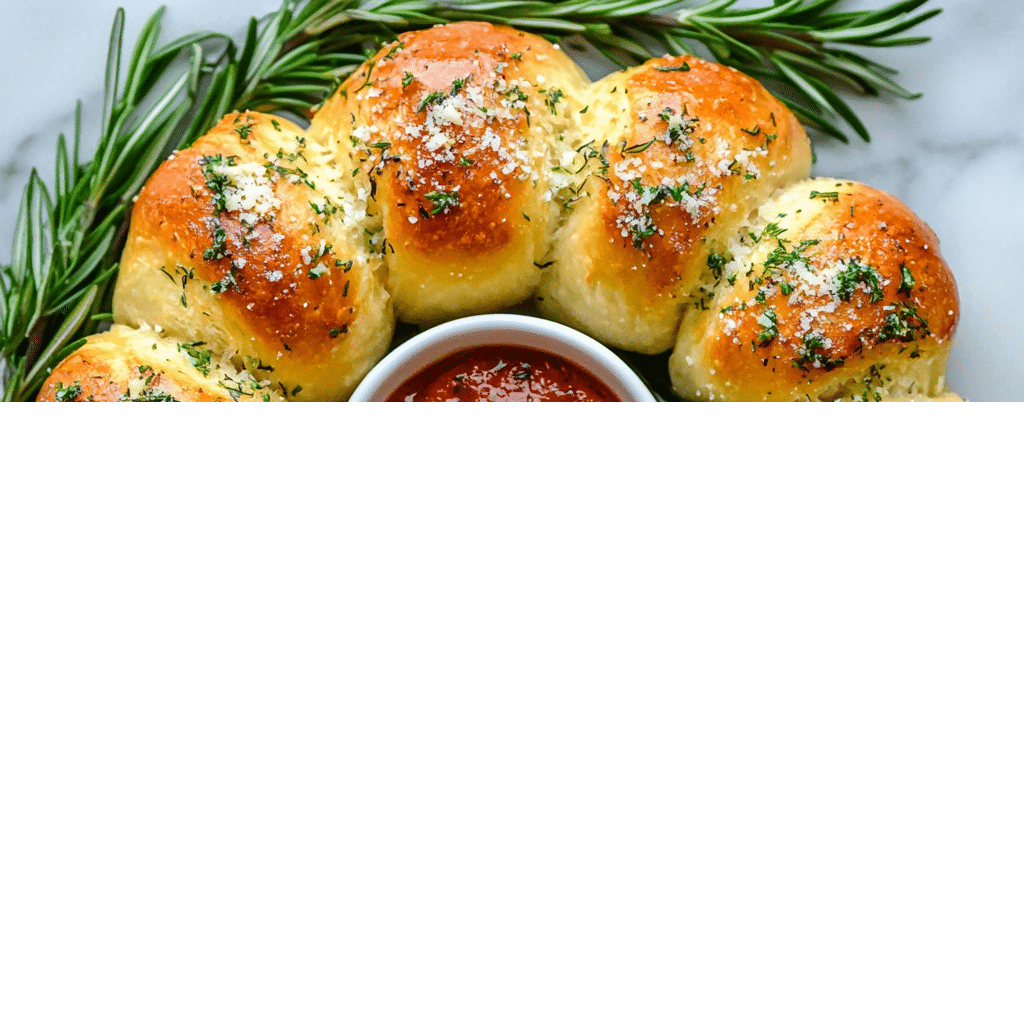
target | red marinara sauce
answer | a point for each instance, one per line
(503, 373)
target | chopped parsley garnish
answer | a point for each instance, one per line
(217, 251)
(828, 197)
(857, 273)
(812, 354)
(552, 98)
(781, 257)
(216, 180)
(200, 359)
(328, 210)
(769, 323)
(443, 201)
(68, 392)
(407, 79)
(875, 383)
(678, 67)
(430, 98)
(150, 396)
(226, 283)
(716, 261)
(907, 281)
(517, 94)
(903, 323)
(678, 127)
(244, 130)
(649, 197)
(771, 230)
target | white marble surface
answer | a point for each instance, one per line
(956, 156)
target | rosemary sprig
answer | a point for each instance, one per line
(68, 238)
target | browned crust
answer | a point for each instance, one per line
(105, 366)
(310, 318)
(93, 376)
(879, 231)
(426, 63)
(724, 102)
(101, 381)
(176, 211)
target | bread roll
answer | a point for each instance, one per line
(835, 291)
(679, 151)
(453, 133)
(128, 365)
(468, 167)
(247, 243)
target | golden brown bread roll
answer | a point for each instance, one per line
(248, 243)
(836, 290)
(144, 365)
(461, 162)
(679, 151)
(453, 133)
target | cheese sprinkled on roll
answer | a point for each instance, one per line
(248, 243)
(835, 291)
(679, 151)
(144, 365)
(453, 136)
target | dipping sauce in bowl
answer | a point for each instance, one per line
(501, 357)
(503, 373)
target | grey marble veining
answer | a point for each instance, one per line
(955, 156)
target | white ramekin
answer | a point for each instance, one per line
(435, 344)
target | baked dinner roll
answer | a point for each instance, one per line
(679, 151)
(128, 365)
(453, 133)
(248, 244)
(836, 290)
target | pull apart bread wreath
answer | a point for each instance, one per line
(470, 167)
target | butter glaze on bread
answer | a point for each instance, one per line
(453, 133)
(248, 243)
(837, 291)
(470, 166)
(129, 365)
(679, 151)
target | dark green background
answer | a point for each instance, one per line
(637, 715)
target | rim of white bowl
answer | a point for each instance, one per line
(434, 344)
